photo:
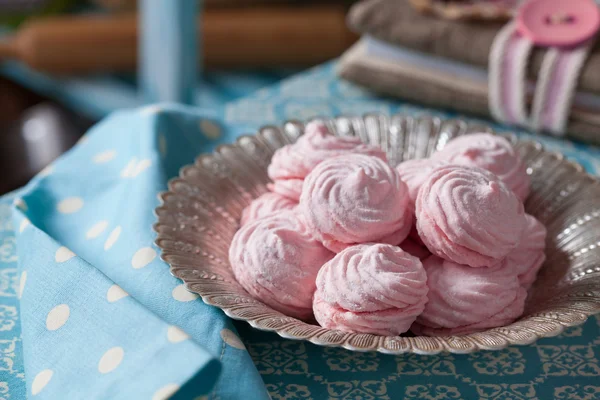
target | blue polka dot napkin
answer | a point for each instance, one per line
(102, 317)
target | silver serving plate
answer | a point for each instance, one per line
(200, 213)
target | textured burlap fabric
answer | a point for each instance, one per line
(395, 21)
(441, 90)
(125, 5)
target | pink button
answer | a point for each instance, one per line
(559, 23)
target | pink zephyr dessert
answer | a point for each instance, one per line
(463, 300)
(370, 288)
(528, 257)
(289, 188)
(276, 260)
(265, 205)
(292, 163)
(414, 173)
(492, 153)
(468, 216)
(439, 246)
(355, 198)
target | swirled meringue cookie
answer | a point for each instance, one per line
(492, 153)
(276, 260)
(265, 205)
(370, 288)
(466, 215)
(414, 173)
(353, 199)
(290, 188)
(529, 255)
(294, 162)
(463, 300)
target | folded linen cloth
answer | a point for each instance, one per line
(102, 317)
(437, 82)
(397, 22)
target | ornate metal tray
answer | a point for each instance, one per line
(199, 216)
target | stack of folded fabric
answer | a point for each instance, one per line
(130, 4)
(444, 62)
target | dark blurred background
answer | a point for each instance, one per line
(33, 132)
(53, 53)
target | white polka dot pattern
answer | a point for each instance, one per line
(232, 339)
(176, 335)
(24, 224)
(104, 157)
(135, 167)
(46, 171)
(115, 293)
(141, 167)
(143, 257)
(210, 129)
(96, 230)
(40, 381)
(57, 317)
(129, 168)
(112, 238)
(180, 293)
(111, 360)
(151, 110)
(20, 204)
(63, 254)
(165, 392)
(70, 205)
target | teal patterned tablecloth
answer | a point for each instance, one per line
(564, 367)
(12, 372)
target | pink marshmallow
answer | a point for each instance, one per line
(296, 161)
(463, 300)
(528, 257)
(468, 216)
(289, 188)
(492, 153)
(353, 199)
(276, 260)
(370, 288)
(265, 205)
(414, 173)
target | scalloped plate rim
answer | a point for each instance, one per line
(559, 326)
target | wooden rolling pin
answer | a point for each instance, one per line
(256, 37)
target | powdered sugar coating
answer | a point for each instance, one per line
(353, 199)
(265, 205)
(463, 300)
(296, 161)
(492, 153)
(370, 288)
(414, 173)
(468, 216)
(276, 260)
(290, 188)
(529, 255)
